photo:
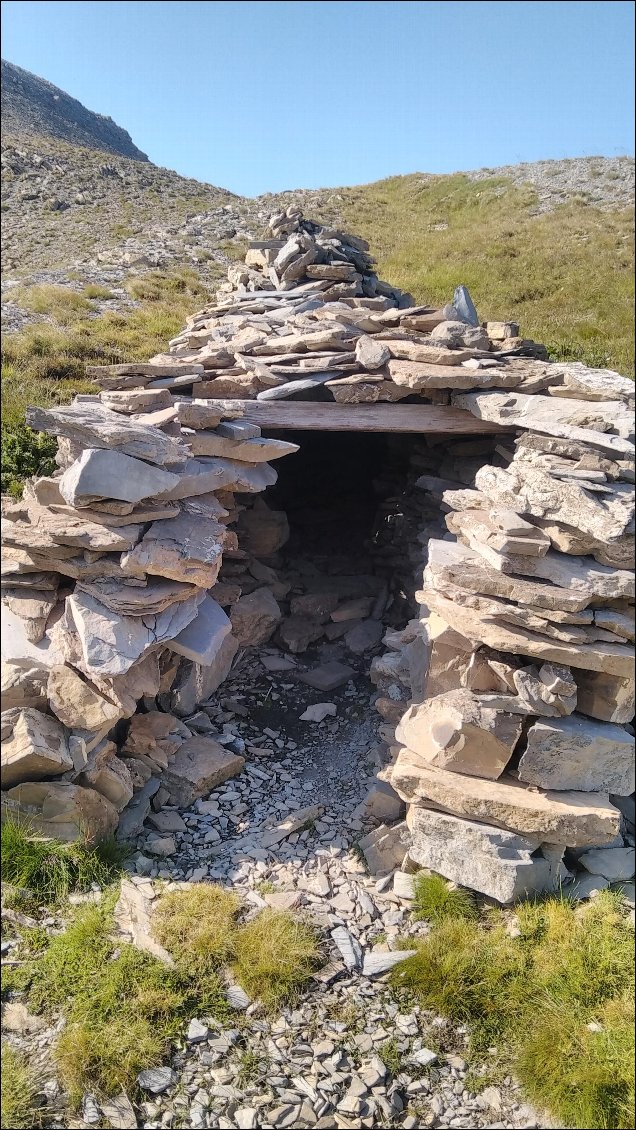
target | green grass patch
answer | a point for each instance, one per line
(58, 302)
(45, 365)
(275, 955)
(534, 997)
(436, 901)
(272, 957)
(51, 870)
(566, 276)
(19, 1111)
(123, 1007)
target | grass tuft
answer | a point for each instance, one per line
(197, 926)
(275, 957)
(18, 1093)
(436, 901)
(534, 996)
(50, 869)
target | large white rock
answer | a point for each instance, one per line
(111, 643)
(34, 746)
(200, 476)
(576, 818)
(76, 703)
(579, 753)
(503, 865)
(615, 864)
(182, 549)
(202, 639)
(454, 731)
(101, 474)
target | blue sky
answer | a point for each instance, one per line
(260, 97)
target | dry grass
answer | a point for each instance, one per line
(566, 276)
(197, 926)
(18, 1093)
(275, 955)
(535, 996)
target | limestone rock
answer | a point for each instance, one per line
(580, 382)
(95, 426)
(596, 656)
(155, 735)
(34, 746)
(428, 353)
(567, 419)
(201, 639)
(76, 703)
(384, 848)
(111, 644)
(101, 474)
(297, 633)
(62, 811)
(455, 731)
(573, 818)
(328, 676)
(579, 753)
(262, 531)
(112, 779)
(529, 490)
(615, 864)
(454, 335)
(502, 865)
(196, 682)
(182, 549)
(422, 376)
(371, 354)
(604, 696)
(146, 597)
(364, 636)
(247, 451)
(136, 400)
(23, 684)
(199, 766)
(255, 617)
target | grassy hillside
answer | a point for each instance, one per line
(565, 275)
(564, 271)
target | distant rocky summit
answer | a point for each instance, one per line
(31, 105)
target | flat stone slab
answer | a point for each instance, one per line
(99, 474)
(328, 676)
(579, 753)
(96, 426)
(199, 765)
(201, 639)
(576, 818)
(112, 643)
(501, 864)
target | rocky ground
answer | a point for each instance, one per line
(351, 1054)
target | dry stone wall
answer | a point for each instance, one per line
(507, 702)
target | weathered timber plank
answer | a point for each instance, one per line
(312, 416)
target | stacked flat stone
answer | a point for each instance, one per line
(517, 743)
(513, 692)
(306, 315)
(109, 597)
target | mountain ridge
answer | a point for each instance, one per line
(32, 105)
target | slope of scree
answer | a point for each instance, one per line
(31, 105)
